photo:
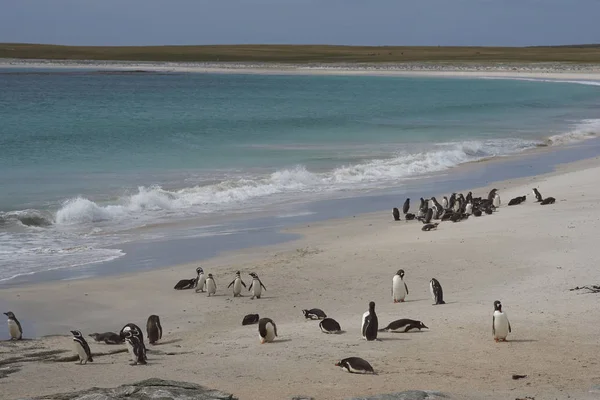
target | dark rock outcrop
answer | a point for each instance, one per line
(407, 395)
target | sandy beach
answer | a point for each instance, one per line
(527, 256)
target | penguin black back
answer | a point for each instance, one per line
(548, 200)
(250, 319)
(314, 313)
(371, 325)
(437, 292)
(404, 325)
(396, 214)
(406, 206)
(538, 195)
(137, 347)
(154, 329)
(330, 325)
(428, 216)
(355, 365)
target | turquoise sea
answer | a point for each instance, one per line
(91, 160)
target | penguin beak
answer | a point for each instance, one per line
(337, 364)
(425, 326)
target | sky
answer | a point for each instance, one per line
(347, 22)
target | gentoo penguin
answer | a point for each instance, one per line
(188, 283)
(496, 200)
(82, 349)
(355, 365)
(428, 227)
(436, 292)
(538, 195)
(396, 214)
(154, 329)
(135, 347)
(267, 330)
(428, 215)
(211, 285)
(107, 337)
(444, 202)
(237, 284)
(314, 313)
(548, 200)
(14, 326)
(500, 325)
(406, 206)
(403, 325)
(330, 325)
(137, 333)
(256, 286)
(201, 286)
(370, 323)
(250, 319)
(399, 288)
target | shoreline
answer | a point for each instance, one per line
(519, 255)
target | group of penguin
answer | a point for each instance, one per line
(456, 208)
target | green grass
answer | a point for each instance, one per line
(305, 53)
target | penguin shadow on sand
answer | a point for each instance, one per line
(160, 343)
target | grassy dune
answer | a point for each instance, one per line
(305, 53)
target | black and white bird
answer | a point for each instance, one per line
(330, 325)
(107, 337)
(370, 323)
(437, 294)
(355, 365)
(136, 347)
(250, 319)
(403, 325)
(82, 349)
(154, 329)
(537, 194)
(500, 325)
(201, 285)
(256, 287)
(267, 330)
(406, 206)
(14, 326)
(211, 285)
(314, 313)
(399, 287)
(548, 200)
(136, 331)
(189, 283)
(237, 284)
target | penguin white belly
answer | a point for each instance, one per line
(256, 289)
(131, 352)
(353, 370)
(432, 292)
(237, 287)
(270, 334)
(398, 289)
(211, 288)
(201, 283)
(13, 329)
(469, 209)
(500, 325)
(444, 203)
(496, 201)
(80, 351)
(362, 326)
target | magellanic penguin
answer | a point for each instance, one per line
(500, 325)
(267, 330)
(436, 291)
(330, 325)
(188, 283)
(82, 349)
(370, 323)
(396, 214)
(137, 332)
(355, 365)
(403, 325)
(406, 206)
(107, 337)
(538, 195)
(14, 326)
(399, 288)
(250, 319)
(136, 348)
(237, 284)
(201, 286)
(154, 329)
(314, 313)
(211, 285)
(548, 200)
(256, 286)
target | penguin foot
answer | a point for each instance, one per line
(132, 364)
(402, 301)
(496, 339)
(395, 301)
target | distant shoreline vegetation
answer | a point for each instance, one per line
(300, 54)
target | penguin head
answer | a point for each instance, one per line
(305, 312)
(339, 364)
(210, 276)
(252, 274)
(497, 306)
(77, 334)
(10, 314)
(199, 270)
(238, 273)
(372, 306)
(401, 273)
(422, 325)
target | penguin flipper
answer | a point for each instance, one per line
(263, 286)
(494, 325)
(509, 328)
(243, 283)
(250, 288)
(366, 325)
(20, 329)
(406, 287)
(228, 286)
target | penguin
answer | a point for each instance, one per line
(355, 365)
(469, 208)
(428, 215)
(548, 200)
(250, 319)
(496, 200)
(517, 200)
(444, 202)
(452, 201)
(500, 325)
(237, 284)
(82, 349)
(188, 283)
(256, 286)
(396, 214)
(370, 323)
(314, 313)
(154, 329)
(107, 337)
(399, 288)
(409, 216)
(201, 286)
(403, 325)
(14, 326)
(406, 206)
(469, 197)
(422, 205)
(135, 347)
(267, 330)
(137, 333)
(477, 213)
(428, 227)
(330, 325)
(538, 195)
(491, 195)
(211, 285)
(436, 292)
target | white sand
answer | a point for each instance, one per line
(527, 256)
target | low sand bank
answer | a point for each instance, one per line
(528, 256)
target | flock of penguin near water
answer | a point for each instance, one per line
(455, 209)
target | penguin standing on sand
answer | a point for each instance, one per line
(469, 208)
(538, 195)
(399, 288)
(211, 285)
(370, 323)
(396, 214)
(444, 202)
(500, 325)
(154, 329)
(355, 365)
(267, 330)
(436, 292)
(491, 195)
(14, 326)
(496, 200)
(237, 284)
(406, 206)
(256, 286)
(131, 327)
(82, 349)
(201, 286)
(136, 348)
